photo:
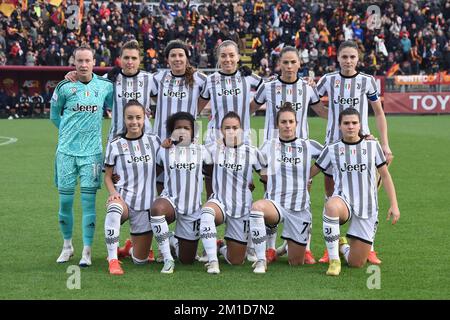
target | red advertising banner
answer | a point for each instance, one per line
(34, 79)
(417, 102)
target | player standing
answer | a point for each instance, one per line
(349, 88)
(77, 112)
(288, 87)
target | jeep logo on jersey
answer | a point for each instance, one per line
(354, 167)
(146, 158)
(349, 101)
(231, 166)
(83, 108)
(295, 106)
(174, 94)
(291, 160)
(183, 166)
(229, 92)
(130, 95)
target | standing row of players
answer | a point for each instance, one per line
(184, 89)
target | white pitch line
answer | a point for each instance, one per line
(9, 140)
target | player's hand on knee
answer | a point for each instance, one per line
(71, 76)
(113, 197)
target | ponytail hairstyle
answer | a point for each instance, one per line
(131, 103)
(190, 70)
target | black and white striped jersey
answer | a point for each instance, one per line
(287, 168)
(347, 92)
(354, 173)
(275, 93)
(134, 160)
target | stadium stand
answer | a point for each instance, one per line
(409, 37)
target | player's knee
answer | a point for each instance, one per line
(158, 208)
(258, 206)
(332, 208)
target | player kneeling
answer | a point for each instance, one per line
(230, 202)
(354, 161)
(286, 200)
(181, 198)
(131, 156)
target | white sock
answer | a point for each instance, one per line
(258, 232)
(331, 234)
(87, 250)
(372, 248)
(112, 229)
(345, 250)
(250, 243)
(67, 243)
(208, 233)
(173, 241)
(161, 233)
(271, 232)
(308, 243)
(223, 251)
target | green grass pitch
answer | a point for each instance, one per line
(415, 252)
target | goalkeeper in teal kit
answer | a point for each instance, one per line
(77, 111)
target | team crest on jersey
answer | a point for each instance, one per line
(299, 92)
(364, 151)
(337, 83)
(351, 152)
(141, 83)
(278, 89)
(358, 85)
(96, 93)
(147, 146)
(239, 79)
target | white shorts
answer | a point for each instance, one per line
(236, 229)
(139, 222)
(361, 229)
(187, 226)
(297, 224)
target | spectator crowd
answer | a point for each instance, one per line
(401, 37)
(413, 34)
